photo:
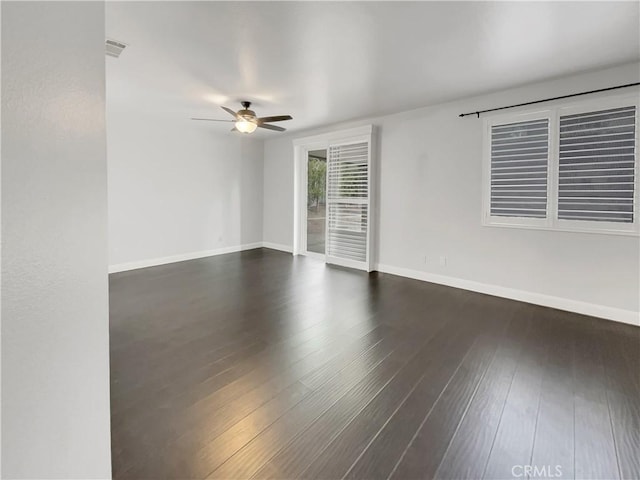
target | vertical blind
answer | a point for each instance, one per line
(519, 163)
(597, 165)
(348, 201)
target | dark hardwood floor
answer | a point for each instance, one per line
(262, 365)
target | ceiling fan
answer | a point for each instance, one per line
(246, 120)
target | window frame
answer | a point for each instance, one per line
(501, 221)
(552, 222)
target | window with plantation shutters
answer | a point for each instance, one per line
(519, 163)
(571, 168)
(597, 165)
(348, 204)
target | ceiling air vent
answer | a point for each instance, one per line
(114, 48)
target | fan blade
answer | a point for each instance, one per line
(277, 118)
(230, 112)
(212, 120)
(271, 127)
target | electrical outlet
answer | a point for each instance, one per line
(443, 260)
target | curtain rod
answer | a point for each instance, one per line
(549, 99)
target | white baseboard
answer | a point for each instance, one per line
(152, 262)
(585, 308)
(277, 246)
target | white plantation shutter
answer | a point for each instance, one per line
(597, 157)
(571, 167)
(519, 169)
(348, 192)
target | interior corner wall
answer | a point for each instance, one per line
(178, 190)
(430, 204)
(55, 326)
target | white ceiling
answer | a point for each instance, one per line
(328, 62)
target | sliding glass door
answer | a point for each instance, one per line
(333, 197)
(316, 201)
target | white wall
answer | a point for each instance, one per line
(176, 188)
(430, 204)
(55, 337)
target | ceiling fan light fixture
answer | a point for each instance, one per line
(246, 126)
(246, 121)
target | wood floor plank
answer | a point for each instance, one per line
(344, 449)
(429, 443)
(554, 442)
(199, 370)
(513, 443)
(208, 295)
(386, 448)
(235, 321)
(595, 453)
(222, 446)
(277, 355)
(621, 356)
(193, 427)
(230, 317)
(252, 456)
(177, 462)
(296, 455)
(291, 461)
(262, 364)
(467, 454)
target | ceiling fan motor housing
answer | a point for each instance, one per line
(247, 114)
